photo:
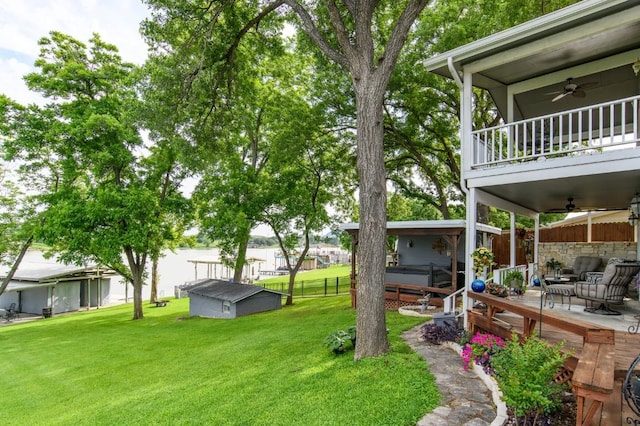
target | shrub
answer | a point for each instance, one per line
(436, 334)
(480, 349)
(525, 372)
(337, 340)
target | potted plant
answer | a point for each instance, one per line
(553, 265)
(515, 279)
(497, 289)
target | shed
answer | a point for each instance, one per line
(213, 298)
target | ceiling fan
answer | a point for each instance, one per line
(568, 208)
(572, 88)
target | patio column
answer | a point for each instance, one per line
(470, 246)
(536, 240)
(512, 240)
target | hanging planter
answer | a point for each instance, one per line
(482, 258)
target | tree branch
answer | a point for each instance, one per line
(399, 35)
(340, 29)
(312, 30)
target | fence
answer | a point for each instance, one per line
(600, 232)
(313, 288)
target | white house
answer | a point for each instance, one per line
(567, 87)
(58, 288)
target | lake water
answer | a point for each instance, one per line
(175, 268)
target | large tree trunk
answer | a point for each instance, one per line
(16, 264)
(154, 281)
(137, 296)
(371, 325)
(136, 266)
(293, 272)
(241, 258)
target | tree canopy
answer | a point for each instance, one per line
(104, 196)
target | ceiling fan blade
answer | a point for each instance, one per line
(560, 96)
(588, 85)
(579, 93)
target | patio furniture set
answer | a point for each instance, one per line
(599, 290)
(10, 313)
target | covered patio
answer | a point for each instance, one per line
(567, 89)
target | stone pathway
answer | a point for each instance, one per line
(466, 400)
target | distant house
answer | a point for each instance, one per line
(63, 288)
(213, 298)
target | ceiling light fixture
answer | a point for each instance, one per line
(636, 66)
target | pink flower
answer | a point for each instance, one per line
(480, 348)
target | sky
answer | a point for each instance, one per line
(24, 22)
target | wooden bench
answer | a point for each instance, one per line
(593, 379)
(161, 303)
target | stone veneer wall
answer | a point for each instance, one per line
(567, 252)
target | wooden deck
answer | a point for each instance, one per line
(553, 327)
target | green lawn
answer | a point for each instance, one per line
(318, 282)
(315, 274)
(100, 367)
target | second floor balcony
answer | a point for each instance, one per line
(591, 130)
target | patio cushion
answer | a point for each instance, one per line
(613, 285)
(582, 265)
(608, 273)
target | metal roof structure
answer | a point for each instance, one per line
(225, 290)
(51, 274)
(423, 227)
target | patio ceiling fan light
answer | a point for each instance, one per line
(636, 66)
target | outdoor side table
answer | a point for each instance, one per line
(560, 287)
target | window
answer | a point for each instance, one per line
(226, 306)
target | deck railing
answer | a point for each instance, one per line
(610, 125)
(499, 274)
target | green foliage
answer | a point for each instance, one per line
(517, 278)
(103, 196)
(263, 369)
(525, 371)
(337, 341)
(501, 219)
(552, 264)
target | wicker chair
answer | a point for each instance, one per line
(606, 288)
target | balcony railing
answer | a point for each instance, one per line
(597, 128)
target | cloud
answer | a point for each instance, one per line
(24, 22)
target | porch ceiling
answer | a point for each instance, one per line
(609, 191)
(593, 41)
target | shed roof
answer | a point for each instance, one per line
(225, 290)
